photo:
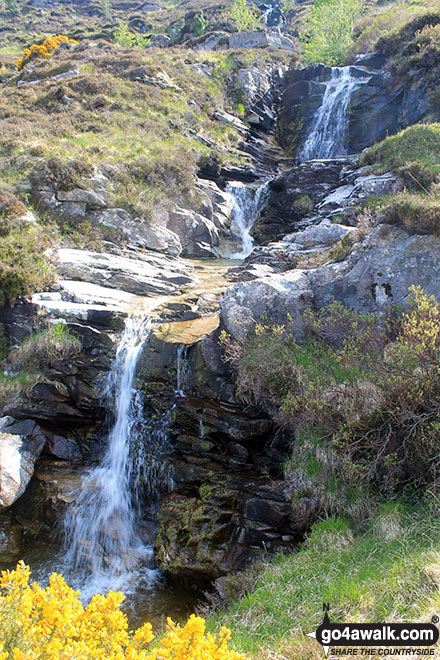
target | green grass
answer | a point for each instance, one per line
(387, 572)
(417, 146)
(386, 20)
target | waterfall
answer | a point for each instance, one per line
(101, 540)
(246, 207)
(182, 368)
(328, 137)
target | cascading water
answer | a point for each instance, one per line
(101, 541)
(328, 137)
(246, 206)
(182, 367)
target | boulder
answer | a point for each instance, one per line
(317, 236)
(273, 297)
(21, 443)
(261, 39)
(377, 272)
(198, 235)
(160, 40)
(138, 232)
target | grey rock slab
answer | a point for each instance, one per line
(275, 296)
(148, 274)
(323, 235)
(21, 443)
(139, 233)
(79, 195)
(378, 272)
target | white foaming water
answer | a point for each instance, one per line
(328, 136)
(103, 548)
(246, 206)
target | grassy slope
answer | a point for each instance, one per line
(389, 571)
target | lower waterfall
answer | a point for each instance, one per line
(102, 544)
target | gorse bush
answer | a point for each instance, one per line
(51, 624)
(362, 395)
(46, 49)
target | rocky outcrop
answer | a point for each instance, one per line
(316, 192)
(76, 192)
(222, 510)
(377, 272)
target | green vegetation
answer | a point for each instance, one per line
(361, 396)
(392, 27)
(128, 39)
(413, 154)
(41, 349)
(245, 17)
(200, 23)
(11, 384)
(24, 268)
(388, 569)
(328, 30)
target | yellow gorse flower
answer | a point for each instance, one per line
(50, 623)
(45, 49)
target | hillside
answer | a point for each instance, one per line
(219, 323)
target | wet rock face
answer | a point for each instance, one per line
(380, 105)
(68, 396)
(227, 504)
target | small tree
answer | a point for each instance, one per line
(200, 23)
(128, 39)
(328, 30)
(244, 17)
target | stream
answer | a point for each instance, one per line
(106, 543)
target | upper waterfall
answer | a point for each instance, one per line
(328, 136)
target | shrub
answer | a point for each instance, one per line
(128, 39)
(51, 624)
(41, 349)
(10, 206)
(362, 395)
(200, 24)
(46, 49)
(328, 29)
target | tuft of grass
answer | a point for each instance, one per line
(365, 576)
(416, 212)
(41, 349)
(417, 146)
